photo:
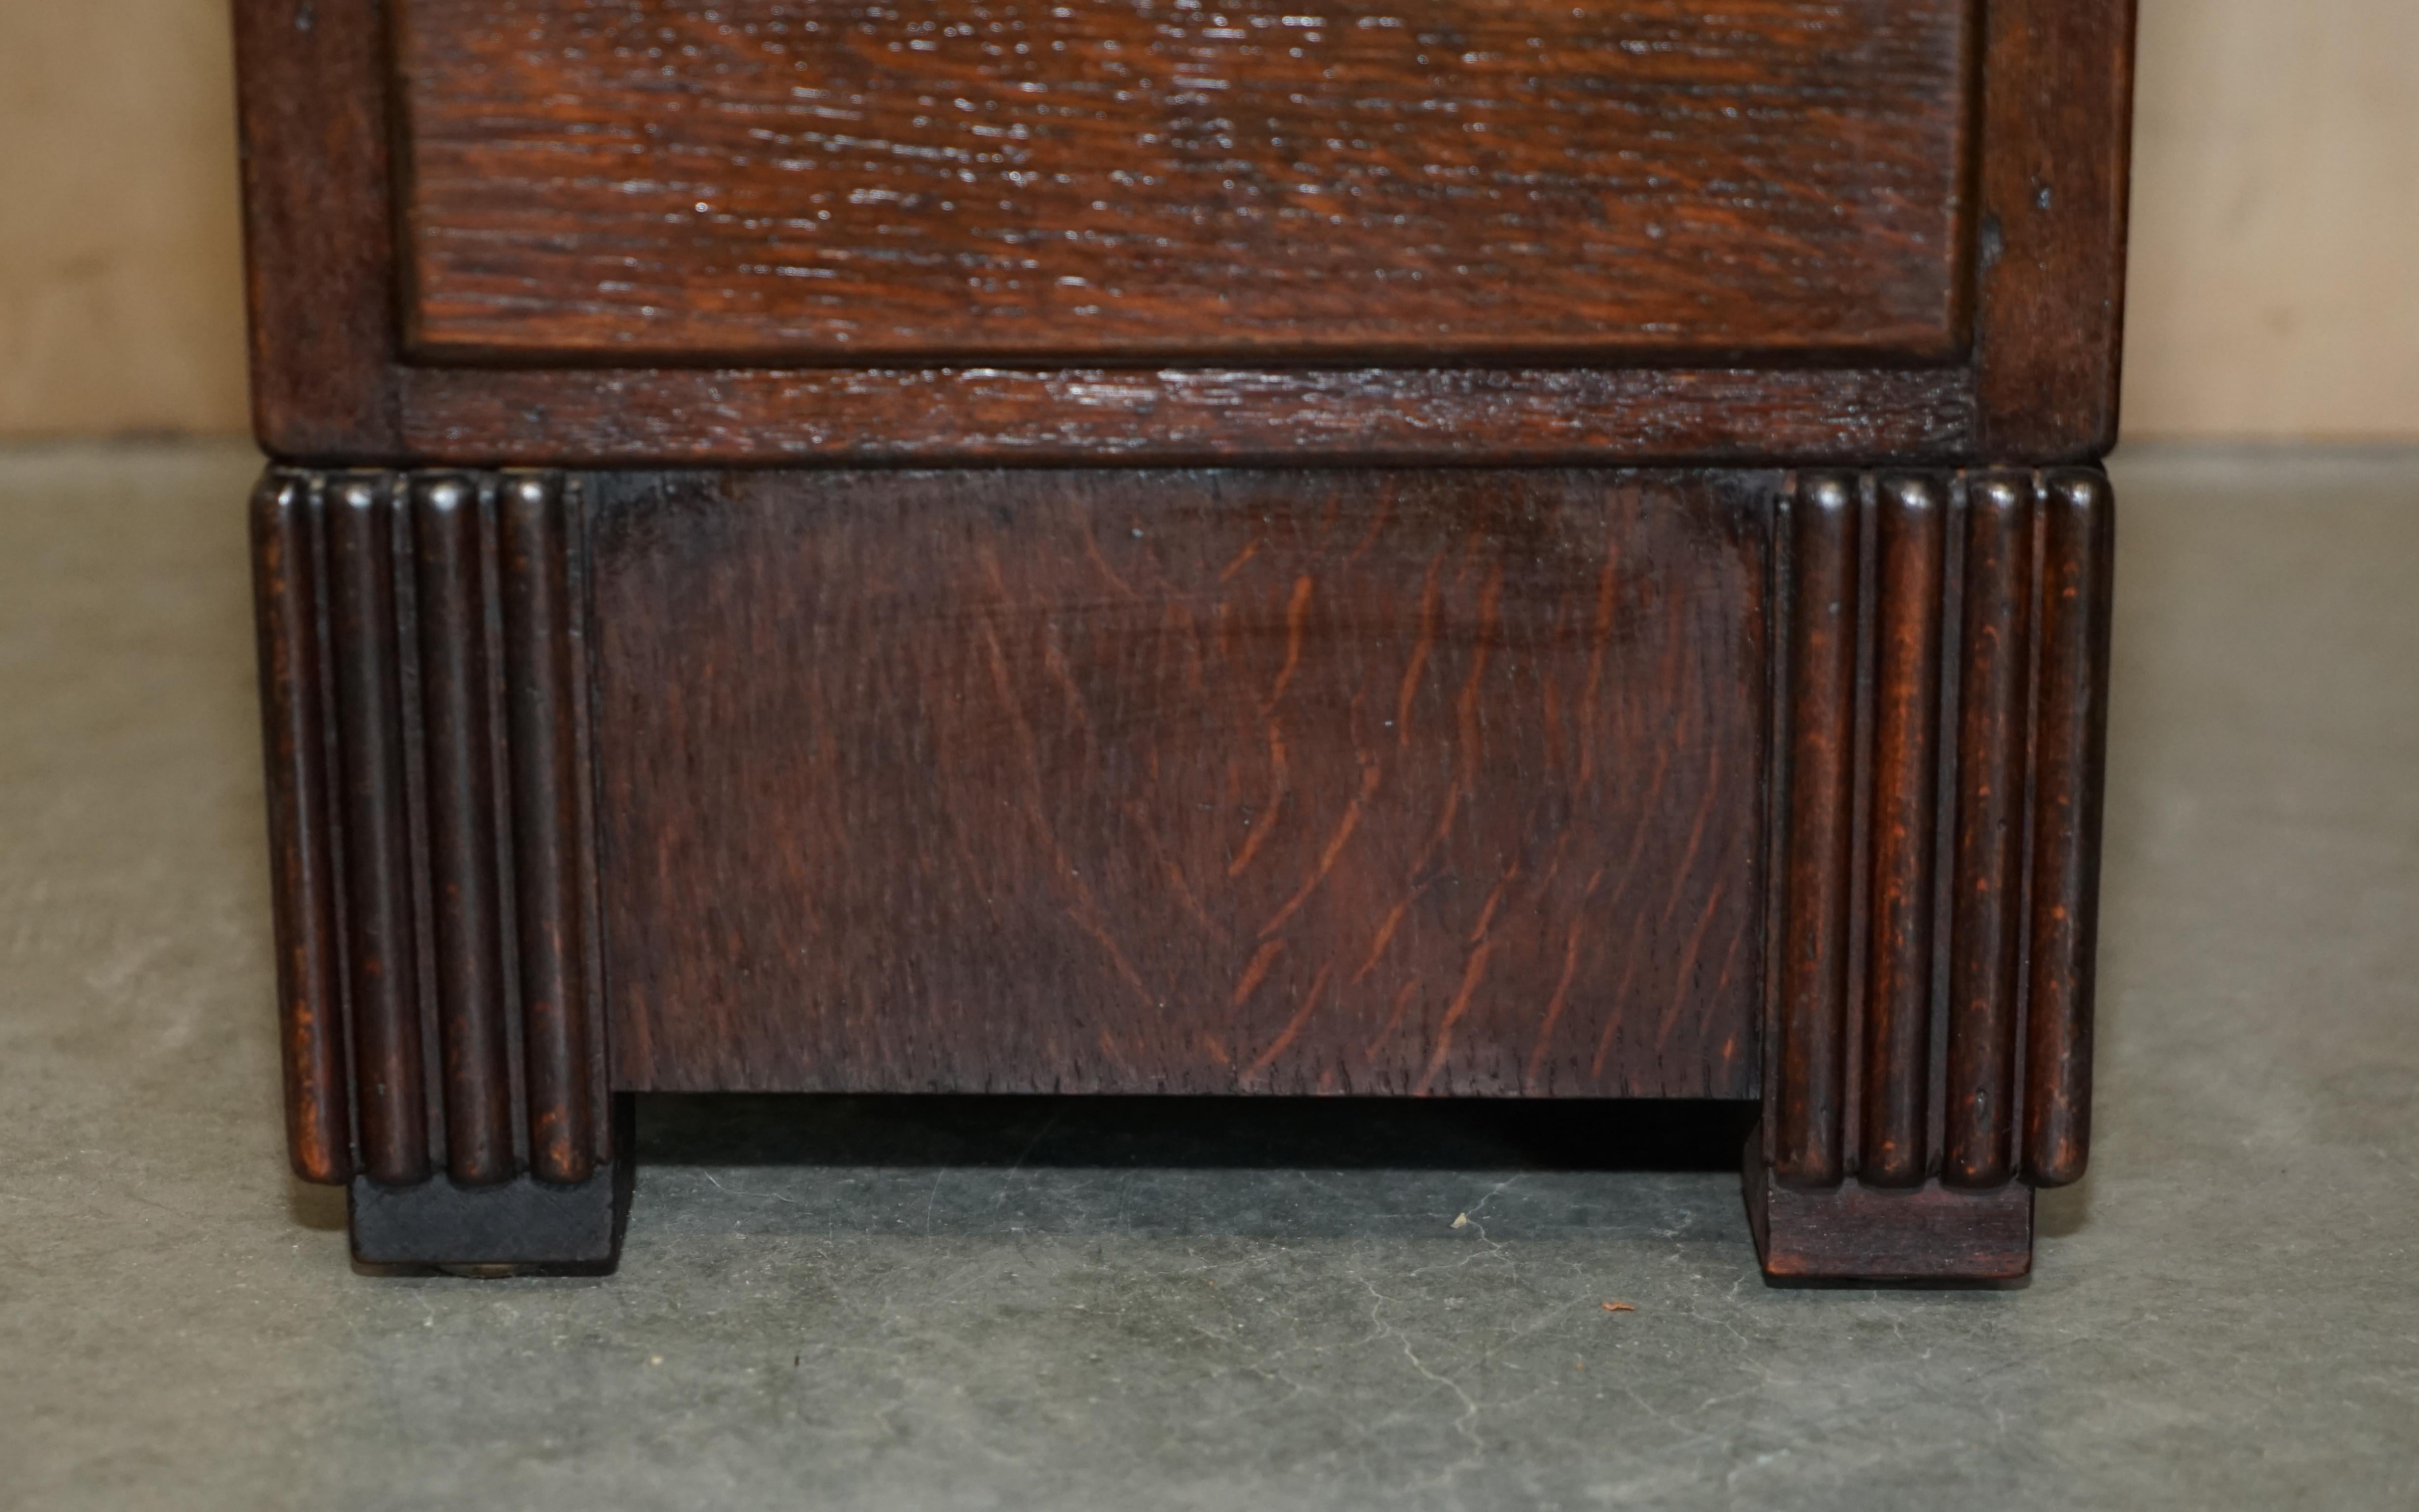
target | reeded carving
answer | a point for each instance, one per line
(427, 765)
(1942, 672)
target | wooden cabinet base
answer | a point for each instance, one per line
(1579, 782)
(1426, 741)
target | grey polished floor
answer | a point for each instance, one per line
(1043, 1306)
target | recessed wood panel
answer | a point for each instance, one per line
(804, 182)
(1287, 781)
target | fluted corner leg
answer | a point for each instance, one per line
(1942, 707)
(424, 707)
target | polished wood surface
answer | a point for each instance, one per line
(1279, 782)
(459, 748)
(2028, 378)
(1402, 744)
(545, 698)
(834, 180)
(1909, 530)
(1987, 918)
(373, 816)
(2057, 108)
(2069, 763)
(1821, 570)
(1419, 782)
(319, 263)
(303, 866)
(423, 678)
(1943, 739)
(1080, 417)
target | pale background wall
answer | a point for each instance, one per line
(2276, 221)
(121, 280)
(2275, 217)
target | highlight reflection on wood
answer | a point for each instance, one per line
(834, 180)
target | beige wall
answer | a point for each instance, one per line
(121, 294)
(2275, 220)
(2277, 211)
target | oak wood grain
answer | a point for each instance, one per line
(320, 256)
(805, 180)
(336, 383)
(574, 416)
(1437, 782)
(2057, 109)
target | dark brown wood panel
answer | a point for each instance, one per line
(2058, 98)
(832, 180)
(319, 252)
(1104, 415)
(1285, 781)
(334, 383)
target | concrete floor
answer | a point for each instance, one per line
(943, 1305)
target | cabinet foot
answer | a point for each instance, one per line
(1857, 1232)
(508, 1228)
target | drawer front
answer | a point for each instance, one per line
(799, 182)
(1288, 782)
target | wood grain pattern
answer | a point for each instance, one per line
(334, 383)
(1928, 731)
(1288, 782)
(423, 839)
(2069, 759)
(803, 180)
(319, 263)
(1096, 416)
(2057, 107)
(1453, 782)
